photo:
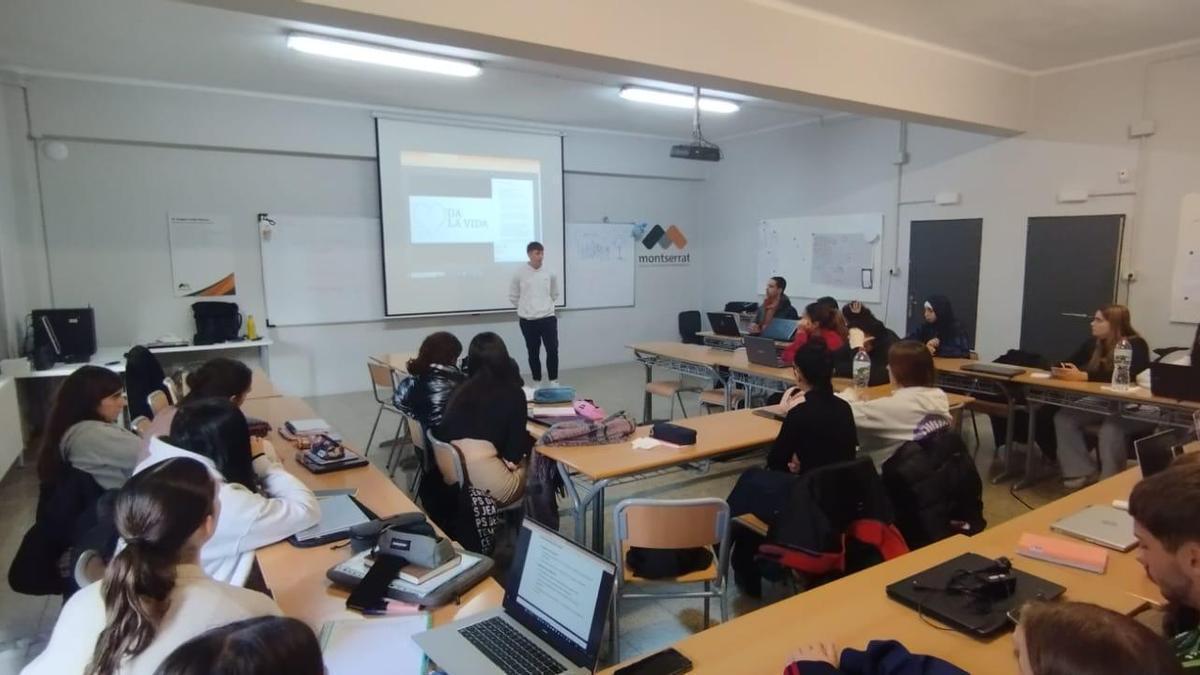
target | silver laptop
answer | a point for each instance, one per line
(763, 352)
(1156, 452)
(1106, 526)
(555, 605)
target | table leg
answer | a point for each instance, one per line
(1032, 452)
(578, 508)
(1002, 468)
(646, 403)
(598, 517)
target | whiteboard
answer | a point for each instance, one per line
(321, 269)
(1185, 287)
(602, 265)
(837, 255)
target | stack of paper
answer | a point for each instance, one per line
(356, 646)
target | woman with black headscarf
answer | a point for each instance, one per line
(941, 333)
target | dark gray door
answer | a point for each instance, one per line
(1070, 271)
(943, 259)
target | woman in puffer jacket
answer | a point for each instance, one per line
(423, 395)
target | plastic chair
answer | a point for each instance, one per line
(670, 524)
(158, 400)
(383, 386)
(689, 325)
(672, 390)
(416, 436)
(715, 399)
(450, 465)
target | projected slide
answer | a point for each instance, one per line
(459, 207)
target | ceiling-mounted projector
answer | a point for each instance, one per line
(699, 148)
(706, 152)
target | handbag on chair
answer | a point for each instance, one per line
(477, 515)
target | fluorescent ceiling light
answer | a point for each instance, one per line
(677, 100)
(384, 56)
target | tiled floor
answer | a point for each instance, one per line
(646, 625)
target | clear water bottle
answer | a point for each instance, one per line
(1122, 361)
(861, 369)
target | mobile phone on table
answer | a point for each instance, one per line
(667, 662)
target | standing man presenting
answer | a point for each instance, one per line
(534, 291)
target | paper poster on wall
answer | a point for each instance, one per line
(202, 259)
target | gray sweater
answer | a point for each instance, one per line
(106, 451)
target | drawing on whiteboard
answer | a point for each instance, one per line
(839, 259)
(601, 247)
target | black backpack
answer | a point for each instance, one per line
(216, 322)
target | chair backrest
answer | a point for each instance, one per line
(671, 523)
(158, 401)
(447, 460)
(140, 425)
(417, 434)
(172, 390)
(689, 325)
(383, 381)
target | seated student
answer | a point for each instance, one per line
(432, 377)
(1095, 356)
(486, 418)
(263, 645)
(261, 502)
(154, 596)
(941, 333)
(423, 395)
(82, 432)
(818, 430)
(775, 304)
(1187, 357)
(818, 319)
(215, 378)
(916, 408)
(1052, 638)
(877, 340)
(1166, 521)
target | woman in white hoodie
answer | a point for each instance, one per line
(916, 408)
(261, 503)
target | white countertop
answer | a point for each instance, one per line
(113, 358)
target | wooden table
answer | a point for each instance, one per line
(695, 360)
(1099, 398)
(260, 385)
(601, 465)
(296, 576)
(854, 610)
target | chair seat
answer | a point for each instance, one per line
(717, 397)
(667, 388)
(753, 523)
(707, 574)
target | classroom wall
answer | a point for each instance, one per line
(137, 152)
(23, 275)
(1079, 139)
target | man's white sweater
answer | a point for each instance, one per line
(533, 292)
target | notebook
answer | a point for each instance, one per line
(339, 513)
(355, 646)
(1063, 552)
(307, 427)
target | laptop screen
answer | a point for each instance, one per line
(781, 329)
(560, 591)
(1155, 453)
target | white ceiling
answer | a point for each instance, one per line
(167, 41)
(1032, 35)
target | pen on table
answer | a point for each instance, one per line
(335, 547)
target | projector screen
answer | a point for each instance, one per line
(459, 206)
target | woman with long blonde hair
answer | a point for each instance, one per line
(1110, 325)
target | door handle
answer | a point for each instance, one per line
(1076, 315)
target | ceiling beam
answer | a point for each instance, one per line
(754, 47)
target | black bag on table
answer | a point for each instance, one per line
(216, 322)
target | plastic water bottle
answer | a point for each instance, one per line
(861, 370)
(1122, 359)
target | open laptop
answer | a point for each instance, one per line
(1156, 452)
(1103, 525)
(1178, 382)
(555, 605)
(762, 351)
(780, 330)
(724, 323)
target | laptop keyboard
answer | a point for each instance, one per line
(511, 651)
